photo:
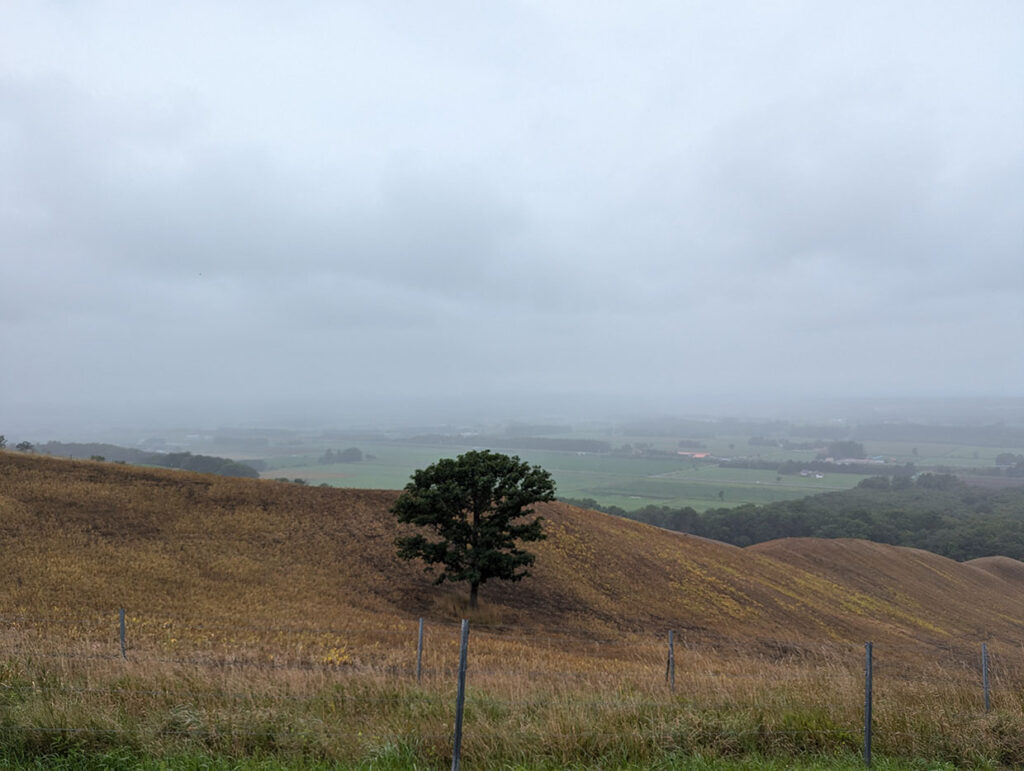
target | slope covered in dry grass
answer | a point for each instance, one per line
(269, 619)
(1007, 568)
(84, 537)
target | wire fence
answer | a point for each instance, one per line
(205, 680)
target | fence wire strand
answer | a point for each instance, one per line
(701, 687)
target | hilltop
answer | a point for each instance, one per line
(83, 537)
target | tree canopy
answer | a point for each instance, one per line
(476, 508)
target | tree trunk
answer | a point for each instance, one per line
(472, 595)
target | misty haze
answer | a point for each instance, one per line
(218, 217)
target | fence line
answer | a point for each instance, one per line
(992, 673)
(309, 664)
(825, 655)
(320, 665)
(555, 634)
(226, 696)
(635, 640)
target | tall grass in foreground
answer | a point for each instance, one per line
(304, 698)
(398, 758)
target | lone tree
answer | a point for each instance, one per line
(471, 504)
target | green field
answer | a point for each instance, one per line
(620, 480)
(630, 483)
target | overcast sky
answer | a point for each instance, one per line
(352, 203)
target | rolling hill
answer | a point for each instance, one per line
(80, 538)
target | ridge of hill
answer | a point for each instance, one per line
(83, 537)
(1006, 568)
(912, 583)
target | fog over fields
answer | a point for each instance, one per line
(260, 214)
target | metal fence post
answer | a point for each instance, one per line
(984, 675)
(124, 648)
(670, 667)
(460, 699)
(419, 653)
(867, 703)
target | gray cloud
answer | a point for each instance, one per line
(662, 202)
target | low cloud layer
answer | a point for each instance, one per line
(666, 202)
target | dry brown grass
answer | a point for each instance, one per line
(531, 698)
(272, 616)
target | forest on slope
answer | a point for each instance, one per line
(936, 512)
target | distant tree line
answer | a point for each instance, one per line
(1015, 471)
(208, 464)
(845, 448)
(981, 436)
(242, 440)
(701, 429)
(536, 429)
(836, 448)
(351, 455)
(691, 444)
(357, 435)
(785, 444)
(20, 446)
(684, 520)
(642, 450)
(936, 512)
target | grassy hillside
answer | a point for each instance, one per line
(85, 537)
(271, 620)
